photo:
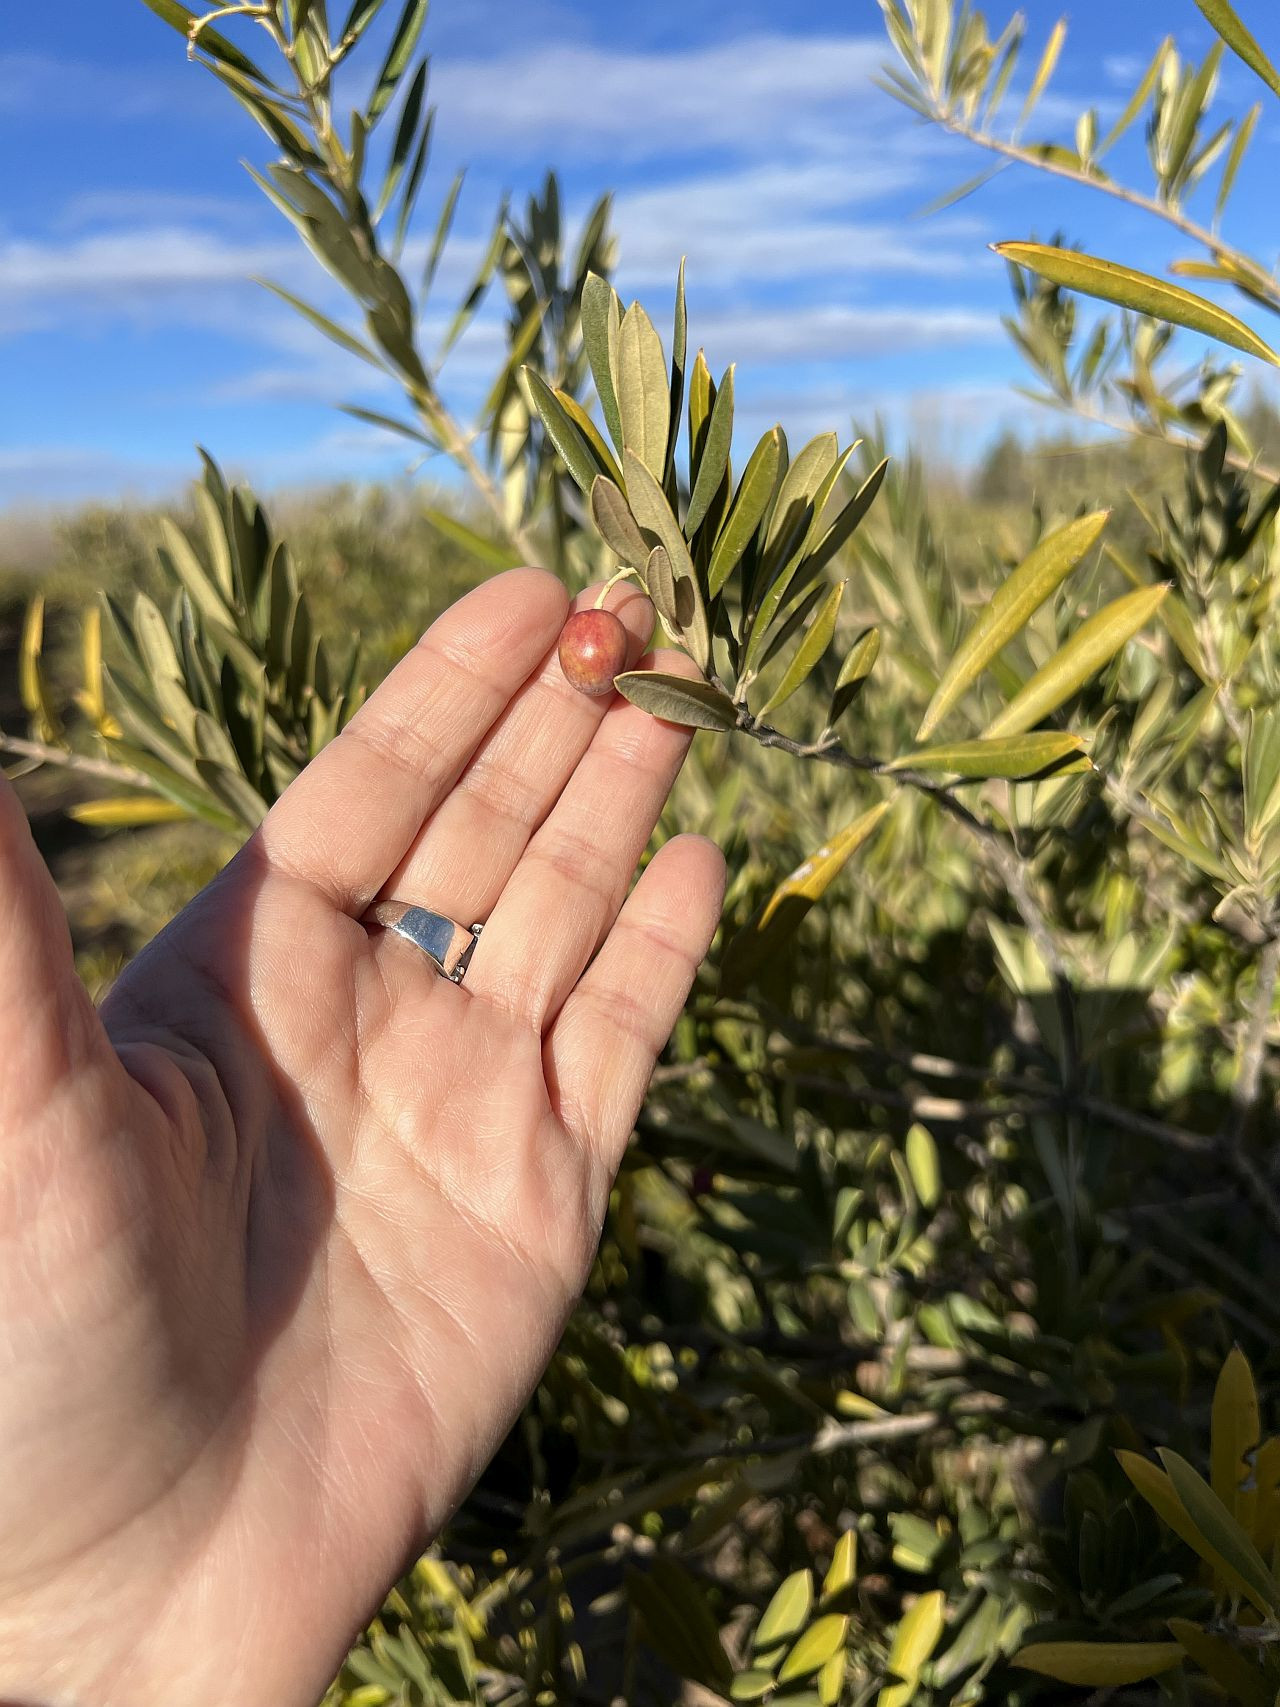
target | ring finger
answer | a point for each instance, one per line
(465, 853)
(566, 890)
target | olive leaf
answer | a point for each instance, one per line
(644, 396)
(1010, 756)
(817, 638)
(750, 502)
(1137, 291)
(1014, 603)
(1088, 649)
(678, 699)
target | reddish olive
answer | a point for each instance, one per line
(593, 650)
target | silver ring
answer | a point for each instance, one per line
(447, 944)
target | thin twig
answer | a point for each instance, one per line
(44, 754)
(1162, 210)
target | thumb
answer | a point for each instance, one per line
(48, 1026)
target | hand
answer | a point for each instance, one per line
(288, 1234)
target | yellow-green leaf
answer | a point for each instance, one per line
(1009, 756)
(644, 391)
(1137, 291)
(1226, 22)
(1045, 69)
(31, 685)
(127, 810)
(858, 665)
(1015, 601)
(750, 1685)
(590, 432)
(1099, 1665)
(814, 877)
(831, 1678)
(574, 450)
(923, 1164)
(914, 1640)
(678, 699)
(1236, 1430)
(810, 650)
(821, 1642)
(714, 455)
(1232, 1551)
(787, 1613)
(1093, 644)
(843, 1570)
(491, 552)
(1227, 1666)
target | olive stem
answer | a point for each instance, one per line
(613, 580)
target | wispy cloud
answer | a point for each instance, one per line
(742, 94)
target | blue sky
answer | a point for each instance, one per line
(750, 138)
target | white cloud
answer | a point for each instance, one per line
(835, 332)
(746, 94)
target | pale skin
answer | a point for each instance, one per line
(290, 1229)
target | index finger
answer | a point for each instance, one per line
(348, 820)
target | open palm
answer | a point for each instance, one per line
(289, 1232)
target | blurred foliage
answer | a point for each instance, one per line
(955, 1186)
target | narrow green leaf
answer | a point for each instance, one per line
(644, 397)
(843, 527)
(600, 305)
(749, 505)
(493, 553)
(335, 333)
(1134, 105)
(1099, 1665)
(1016, 600)
(854, 672)
(678, 699)
(1044, 71)
(574, 450)
(359, 18)
(403, 43)
(1222, 15)
(585, 425)
(714, 457)
(444, 224)
(1224, 1535)
(1089, 648)
(388, 423)
(216, 46)
(1137, 291)
(679, 353)
(1239, 145)
(1009, 756)
(810, 650)
(406, 132)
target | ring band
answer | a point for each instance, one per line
(446, 943)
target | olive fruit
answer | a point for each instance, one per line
(593, 650)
